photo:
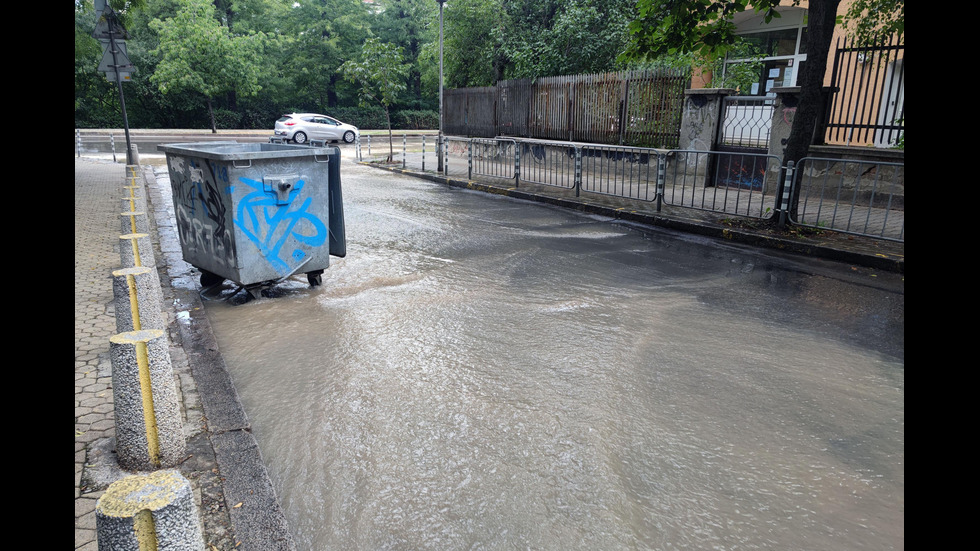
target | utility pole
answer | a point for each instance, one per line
(439, 144)
(115, 61)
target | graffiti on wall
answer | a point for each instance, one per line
(200, 212)
(275, 226)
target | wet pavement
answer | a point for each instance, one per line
(96, 256)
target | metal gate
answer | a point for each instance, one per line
(743, 136)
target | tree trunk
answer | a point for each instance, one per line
(391, 147)
(214, 125)
(820, 30)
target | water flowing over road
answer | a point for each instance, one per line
(487, 373)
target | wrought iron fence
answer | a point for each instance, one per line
(746, 122)
(868, 105)
(857, 197)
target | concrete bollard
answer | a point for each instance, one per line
(136, 250)
(149, 511)
(149, 429)
(134, 222)
(133, 201)
(137, 299)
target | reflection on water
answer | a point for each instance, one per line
(481, 373)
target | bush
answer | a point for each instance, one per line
(227, 119)
(370, 118)
(416, 120)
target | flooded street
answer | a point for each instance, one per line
(486, 373)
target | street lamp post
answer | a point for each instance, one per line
(439, 144)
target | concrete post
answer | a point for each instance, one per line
(700, 124)
(136, 250)
(149, 511)
(137, 299)
(783, 113)
(701, 118)
(149, 429)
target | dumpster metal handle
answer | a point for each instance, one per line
(294, 270)
(248, 164)
(317, 160)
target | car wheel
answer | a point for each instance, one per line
(349, 137)
(299, 137)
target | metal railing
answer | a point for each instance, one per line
(98, 144)
(743, 184)
(548, 163)
(856, 197)
(863, 198)
(629, 172)
(410, 150)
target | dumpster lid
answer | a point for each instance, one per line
(234, 151)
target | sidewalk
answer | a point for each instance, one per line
(97, 195)
(234, 496)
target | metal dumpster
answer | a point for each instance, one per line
(256, 213)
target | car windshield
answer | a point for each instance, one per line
(284, 118)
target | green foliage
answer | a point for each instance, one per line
(199, 55)
(867, 19)
(362, 117)
(414, 119)
(491, 40)
(380, 73)
(319, 37)
(900, 143)
(412, 25)
(683, 26)
(471, 49)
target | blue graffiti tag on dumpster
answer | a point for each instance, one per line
(269, 224)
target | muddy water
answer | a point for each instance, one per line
(484, 373)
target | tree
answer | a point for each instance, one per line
(410, 24)
(867, 19)
(380, 74)
(322, 35)
(706, 27)
(492, 40)
(199, 55)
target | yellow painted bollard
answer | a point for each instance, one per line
(137, 299)
(134, 222)
(154, 511)
(135, 249)
(133, 200)
(149, 427)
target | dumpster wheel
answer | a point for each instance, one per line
(209, 279)
(315, 278)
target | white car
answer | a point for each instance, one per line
(303, 127)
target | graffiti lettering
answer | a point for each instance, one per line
(201, 238)
(200, 211)
(270, 225)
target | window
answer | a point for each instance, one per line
(782, 52)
